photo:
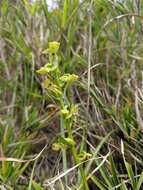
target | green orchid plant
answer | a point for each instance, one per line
(57, 86)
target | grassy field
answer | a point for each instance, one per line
(71, 95)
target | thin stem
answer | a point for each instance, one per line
(89, 54)
(76, 158)
(64, 157)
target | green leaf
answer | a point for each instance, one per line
(64, 17)
(4, 7)
(32, 175)
(114, 171)
(36, 186)
(98, 183)
(140, 181)
(130, 174)
(105, 174)
(123, 186)
(97, 150)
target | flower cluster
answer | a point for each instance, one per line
(58, 85)
(55, 82)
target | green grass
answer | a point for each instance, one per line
(100, 41)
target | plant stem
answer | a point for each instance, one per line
(63, 150)
(76, 159)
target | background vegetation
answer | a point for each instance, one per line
(102, 42)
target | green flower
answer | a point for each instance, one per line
(65, 111)
(84, 156)
(74, 109)
(69, 78)
(54, 47)
(56, 146)
(68, 113)
(62, 143)
(46, 69)
(49, 85)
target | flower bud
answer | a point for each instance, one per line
(54, 47)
